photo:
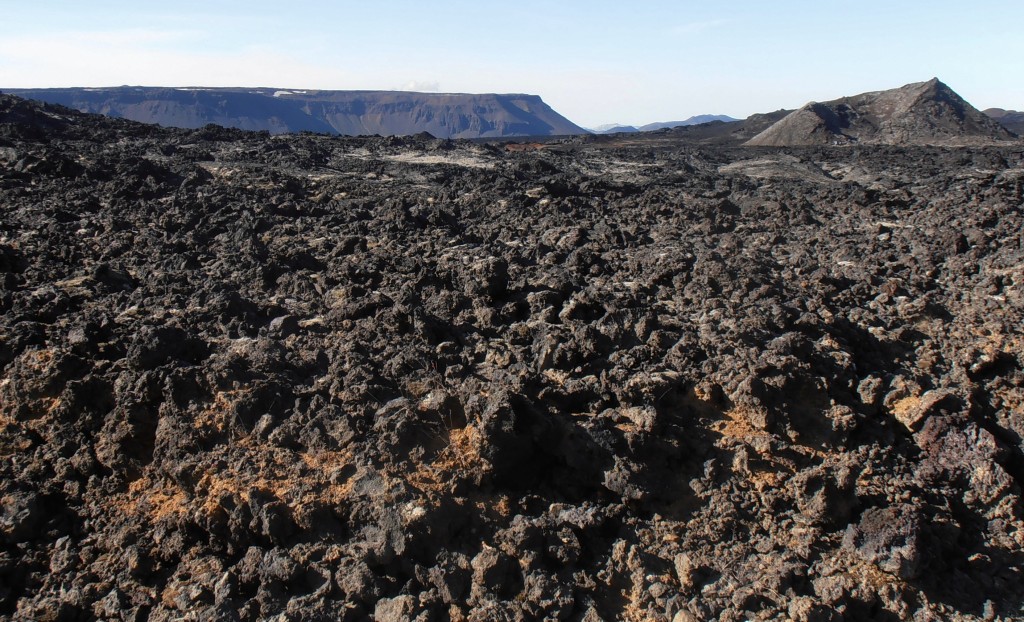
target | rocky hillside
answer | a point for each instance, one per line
(351, 113)
(924, 113)
(325, 378)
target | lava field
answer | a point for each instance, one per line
(246, 377)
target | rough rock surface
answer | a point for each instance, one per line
(317, 378)
(350, 113)
(923, 113)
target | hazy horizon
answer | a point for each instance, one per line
(593, 62)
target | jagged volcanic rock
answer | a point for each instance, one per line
(246, 377)
(924, 113)
(351, 113)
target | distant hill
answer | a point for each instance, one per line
(1012, 120)
(612, 128)
(615, 128)
(696, 120)
(923, 113)
(725, 132)
(608, 127)
(352, 113)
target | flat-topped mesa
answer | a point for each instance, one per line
(352, 113)
(922, 113)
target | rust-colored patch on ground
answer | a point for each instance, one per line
(158, 501)
(216, 414)
(463, 450)
(736, 426)
(902, 408)
(299, 480)
(326, 460)
(460, 456)
(762, 480)
(737, 423)
(280, 473)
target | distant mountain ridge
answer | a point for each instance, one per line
(695, 120)
(352, 113)
(922, 113)
(1012, 120)
(614, 128)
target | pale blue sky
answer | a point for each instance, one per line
(595, 62)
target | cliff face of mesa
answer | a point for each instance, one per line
(351, 113)
(310, 377)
